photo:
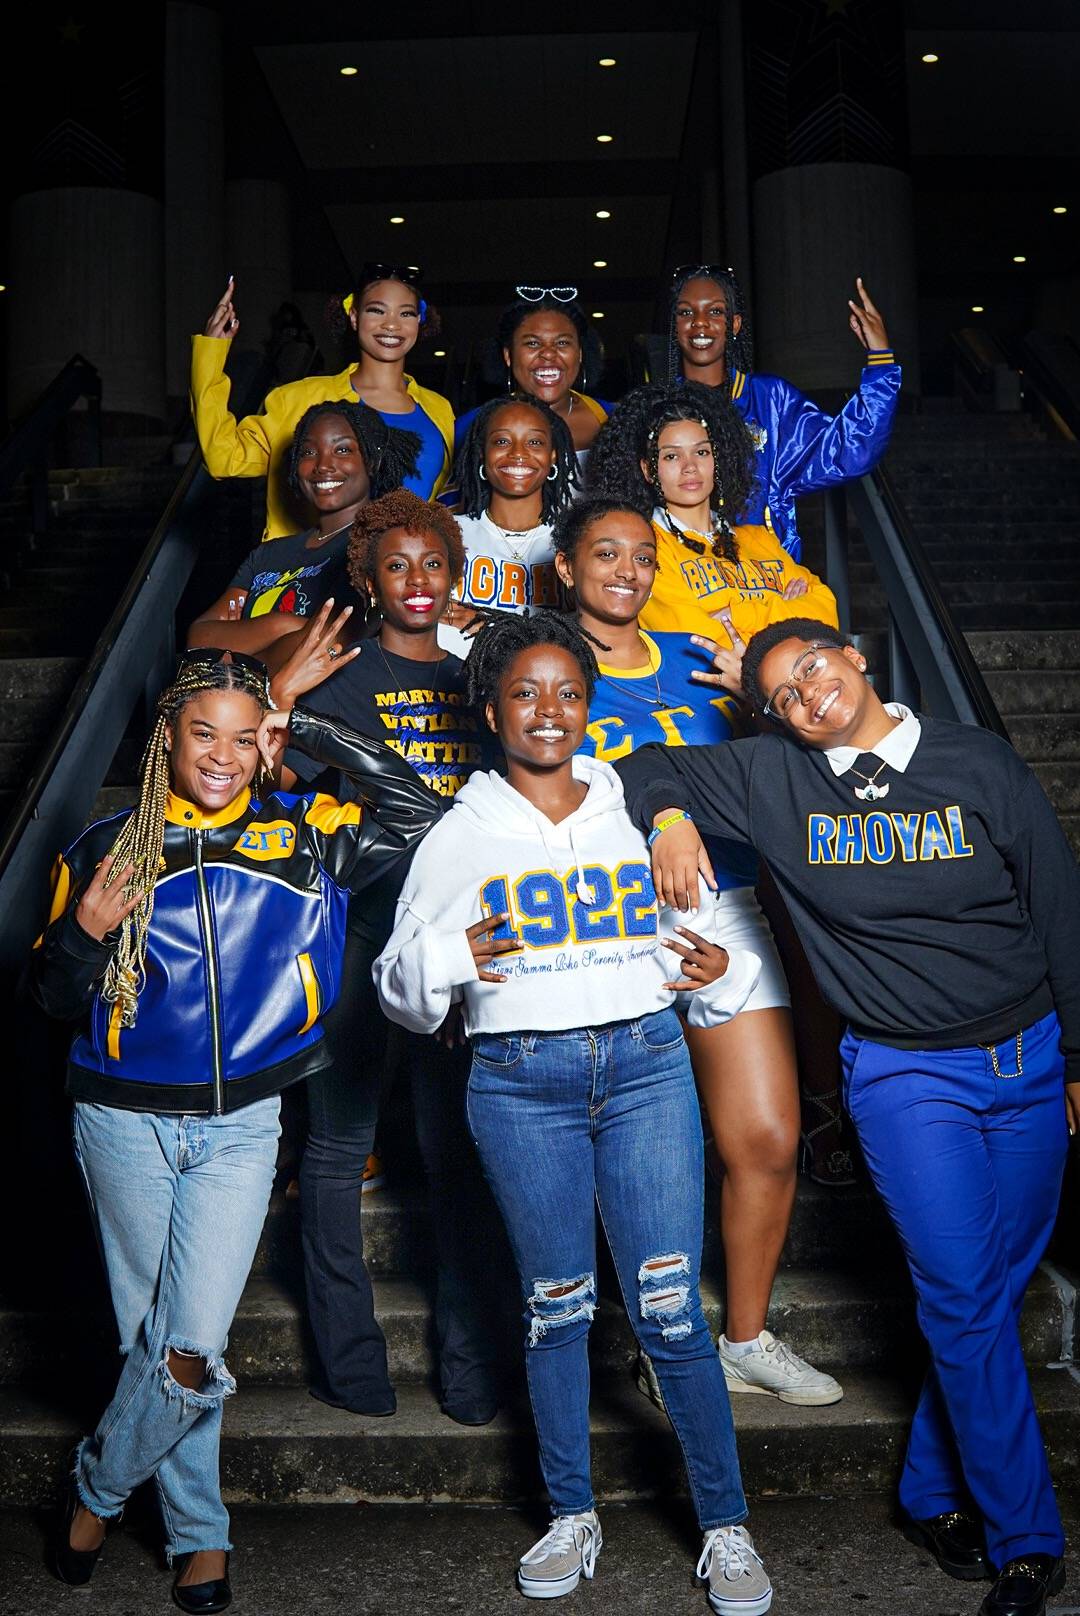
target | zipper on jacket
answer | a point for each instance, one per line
(213, 975)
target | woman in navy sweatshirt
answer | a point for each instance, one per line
(939, 904)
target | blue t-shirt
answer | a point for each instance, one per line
(432, 456)
(625, 713)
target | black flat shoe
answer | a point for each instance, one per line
(474, 1411)
(375, 1406)
(956, 1542)
(1023, 1586)
(73, 1566)
(202, 1598)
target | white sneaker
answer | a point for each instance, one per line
(772, 1369)
(563, 1555)
(737, 1581)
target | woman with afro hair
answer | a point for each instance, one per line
(682, 455)
(385, 316)
(798, 447)
(342, 455)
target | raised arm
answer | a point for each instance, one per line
(231, 448)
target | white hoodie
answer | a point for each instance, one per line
(581, 898)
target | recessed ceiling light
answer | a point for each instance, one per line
(977, 308)
(348, 72)
(1018, 258)
(397, 218)
(605, 140)
(599, 263)
(931, 56)
(598, 314)
(602, 213)
(440, 353)
(607, 61)
(1060, 209)
(3, 288)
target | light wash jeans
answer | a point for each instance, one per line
(608, 1116)
(179, 1203)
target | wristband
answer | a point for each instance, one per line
(666, 824)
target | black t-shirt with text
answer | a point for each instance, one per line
(284, 575)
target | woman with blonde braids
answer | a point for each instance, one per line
(198, 937)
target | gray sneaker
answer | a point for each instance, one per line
(566, 1553)
(772, 1369)
(738, 1583)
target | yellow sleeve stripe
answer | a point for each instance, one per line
(329, 815)
(112, 1040)
(312, 996)
(738, 382)
(61, 891)
(884, 356)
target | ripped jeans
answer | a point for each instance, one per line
(179, 1204)
(606, 1116)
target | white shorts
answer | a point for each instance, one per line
(740, 923)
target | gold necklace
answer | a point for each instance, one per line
(869, 792)
(650, 701)
(324, 538)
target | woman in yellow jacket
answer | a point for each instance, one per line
(388, 315)
(685, 453)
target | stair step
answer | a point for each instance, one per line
(1046, 737)
(996, 614)
(1060, 779)
(1022, 649)
(282, 1446)
(33, 677)
(1034, 690)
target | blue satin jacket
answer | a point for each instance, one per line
(800, 448)
(246, 935)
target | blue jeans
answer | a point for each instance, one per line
(179, 1203)
(608, 1116)
(968, 1162)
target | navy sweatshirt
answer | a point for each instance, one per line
(946, 914)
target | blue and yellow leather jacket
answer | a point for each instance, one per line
(800, 448)
(245, 939)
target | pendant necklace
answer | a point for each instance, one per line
(650, 701)
(412, 711)
(512, 533)
(870, 792)
(324, 538)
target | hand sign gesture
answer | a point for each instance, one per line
(702, 962)
(318, 654)
(104, 905)
(486, 948)
(727, 664)
(865, 320)
(224, 322)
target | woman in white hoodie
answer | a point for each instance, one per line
(532, 901)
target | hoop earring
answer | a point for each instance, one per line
(481, 473)
(553, 474)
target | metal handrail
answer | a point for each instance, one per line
(930, 665)
(132, 658)
(27, 445)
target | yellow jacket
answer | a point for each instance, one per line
(690, 587)
(255, 446)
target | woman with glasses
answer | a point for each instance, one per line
(197, 938)
(799, 447)
(551, 352)
(939, 903)
(387, 316)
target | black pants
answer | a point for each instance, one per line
(343, 1108)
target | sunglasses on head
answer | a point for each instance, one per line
(536, 294)
(207, 656)
(408, 274)
(689, 272)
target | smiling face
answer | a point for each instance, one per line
(685, 464)
(701, 323)
(612, 568)
(213, 755)
(518, 451)
(542, 708)
(545, 355)
(386, 319)
(330, 467)
(412, 579)
(821, 696)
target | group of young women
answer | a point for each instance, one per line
(617, 598)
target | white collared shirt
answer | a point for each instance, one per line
(896, 748)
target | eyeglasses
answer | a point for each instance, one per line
(808, 664)
(536, 294)
(687, 272)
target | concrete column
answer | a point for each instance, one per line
(735, 248)
(86, 277)
(195, 266)
(258, 245)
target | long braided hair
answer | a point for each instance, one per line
(632, 433)
(142, 838)
(738, 346)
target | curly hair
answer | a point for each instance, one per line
(337, 315)
(739, 346)
(389, 454)
(499, 641)
(592, 353)
(475, 492)
(577, 521)
(400, 509)
(774, 634)
(631, 434)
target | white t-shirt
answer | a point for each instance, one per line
(503, 571)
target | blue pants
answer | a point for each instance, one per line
(968, 1162)
(606, 1115)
